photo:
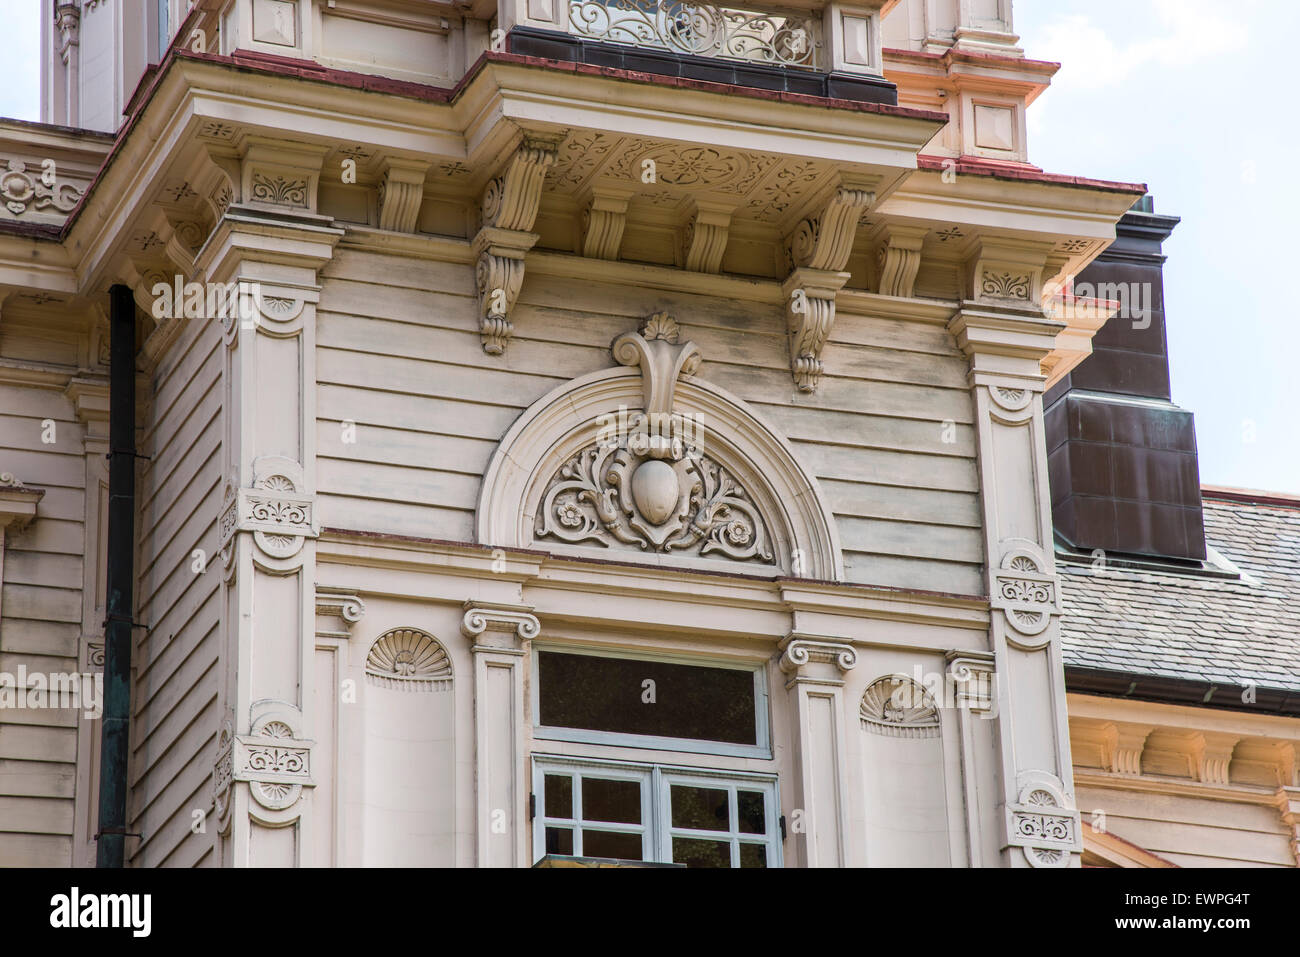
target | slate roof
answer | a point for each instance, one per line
(1189, 627)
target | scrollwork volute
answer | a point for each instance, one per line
(647, 482)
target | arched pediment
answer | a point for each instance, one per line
(648, 462)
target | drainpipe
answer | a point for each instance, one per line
(116, 718)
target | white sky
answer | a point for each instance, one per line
(1193, 97)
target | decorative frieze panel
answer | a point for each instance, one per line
(1026, 593)
(898, 707)
(275, 763)
(277, 512)
(1040, 823)
(24, 189)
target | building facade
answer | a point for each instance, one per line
(600, 430)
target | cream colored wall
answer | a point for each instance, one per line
(174, 692)
(1192, 831)
(890, 438)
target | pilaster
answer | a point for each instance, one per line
(1005, 339)
(499, 636)
(815, 669)
(273, 246)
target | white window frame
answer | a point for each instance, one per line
(762, 733)
(656, 805)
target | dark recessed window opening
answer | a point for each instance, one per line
(629, 696)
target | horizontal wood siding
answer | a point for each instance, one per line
(174, 696)
(40, 616)
(888, 433)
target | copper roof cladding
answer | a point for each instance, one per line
(1121, 456)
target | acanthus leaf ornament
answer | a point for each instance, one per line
(650, 485)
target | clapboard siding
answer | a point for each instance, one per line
(410, 410)
(41, 612)
(174, 696)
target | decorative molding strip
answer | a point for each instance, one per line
(896, 706)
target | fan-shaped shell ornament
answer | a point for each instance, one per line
(408, 660)
(899, 707)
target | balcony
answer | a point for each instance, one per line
(821, 50)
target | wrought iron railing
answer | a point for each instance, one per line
(784, 38)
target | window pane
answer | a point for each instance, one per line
(559, 840)
(696, 853)
(753, 816)
(703, 809)
(559, 795)
(753, 855)
(617, 801)
(611, 694)
(626, 847)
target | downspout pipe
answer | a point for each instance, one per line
(120, 592)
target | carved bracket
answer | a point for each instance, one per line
(400, 193)
(510, 203)
(824, 241)
(706, 237)
(900, 259)
(810, 313)
(603, 222)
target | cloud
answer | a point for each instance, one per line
(1186, 33)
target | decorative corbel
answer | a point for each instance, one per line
(510, 204)
(819, 250)
(603, 221)
(810, 313)
(281, 175)
(706, 237)
(900, 259)
(401, 190)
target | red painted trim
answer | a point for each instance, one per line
(1000, 169)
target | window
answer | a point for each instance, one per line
(638, 812)
(662, 704)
